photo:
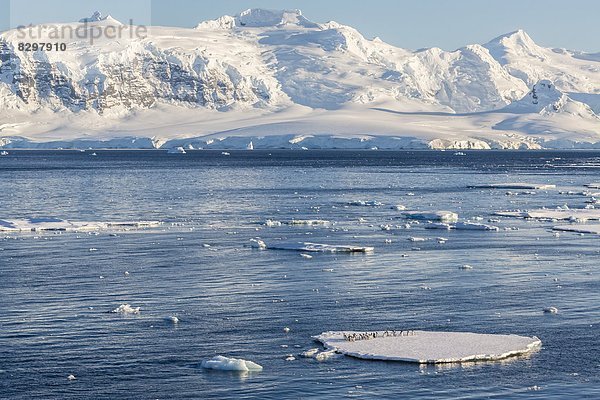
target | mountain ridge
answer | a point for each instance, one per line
(278, 69)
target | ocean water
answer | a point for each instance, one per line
(56, 295)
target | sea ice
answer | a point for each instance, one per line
(541, 186)
(579, 228)
(306, 222)
(126, 309)
(432, 347)
(551, 310)
(57, 224)
(177, 150)
(462, 226)
(443, 216)
(366, 203)
(231, 364)
(312, 247)
(593, 185)
(555, 214)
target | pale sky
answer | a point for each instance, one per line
(410, 24)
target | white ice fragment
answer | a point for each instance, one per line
(593, 185)
(177, 150)
(231, 364)
(290, 357)
(474, 226)
(126, 309)
(324, 355)
(314, 247)
(173, 319)
(551, 310)
(432, 347)
(307, 256)
(286, 329)
(225, 153)
(465, 266)
(399, 207)
(416, 239)
(365, 203)
(574, 215)
(258, 244)
(57, 224)
(71, 377)
(443, 216)
(310, 353)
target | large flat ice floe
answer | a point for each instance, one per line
(431, 347)
(311, 247)
(462, 226)
(579, 228)
(443, 216)
(231, 364)
(516, 185)
(57, 224)
(577, 214)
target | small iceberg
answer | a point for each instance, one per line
(311, 247)
(426, 347)
(3, 153)
(443, 216)
(518, 185)
(222, 363)
(126, 309)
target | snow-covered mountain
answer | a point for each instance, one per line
(277, 79)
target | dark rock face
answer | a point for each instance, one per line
(139, 82)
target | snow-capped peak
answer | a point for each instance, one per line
(517, 43)
(259, 17)
(97, 17)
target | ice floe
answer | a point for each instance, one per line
(432, 347)
(310, 247)
(305, 222)
(126, 309)
(555, 214)
(593, 185)
(466, 226)
(516, 185)
(443, 216)
(231, 364)
(579, 228)
(551, 310)
(57, 224)
(365, 203)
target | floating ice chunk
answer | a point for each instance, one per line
(310, 353)
(551, 310)
(416, 239)
(518, 185)
(399, 207)
(57, 224)
(438, 225)
(313, 247)
(290, 357)
(258, 244)
(71, 377)
(225, 153)
(286, 329)
(556, 214)
(579, 228)
(231, 364)
(443, 216)
(126, 309)
(3, 153)
(465, 266)
(310, 222)
(307, 222)
(474, 226)
(307, 256)
(324, 355)
(173, 319)
(432, 347)
(366, 203)
(593, 185)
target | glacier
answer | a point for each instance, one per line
(273, 79)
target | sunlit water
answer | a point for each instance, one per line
(56, 294)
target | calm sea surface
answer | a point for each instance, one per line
(56, 295)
